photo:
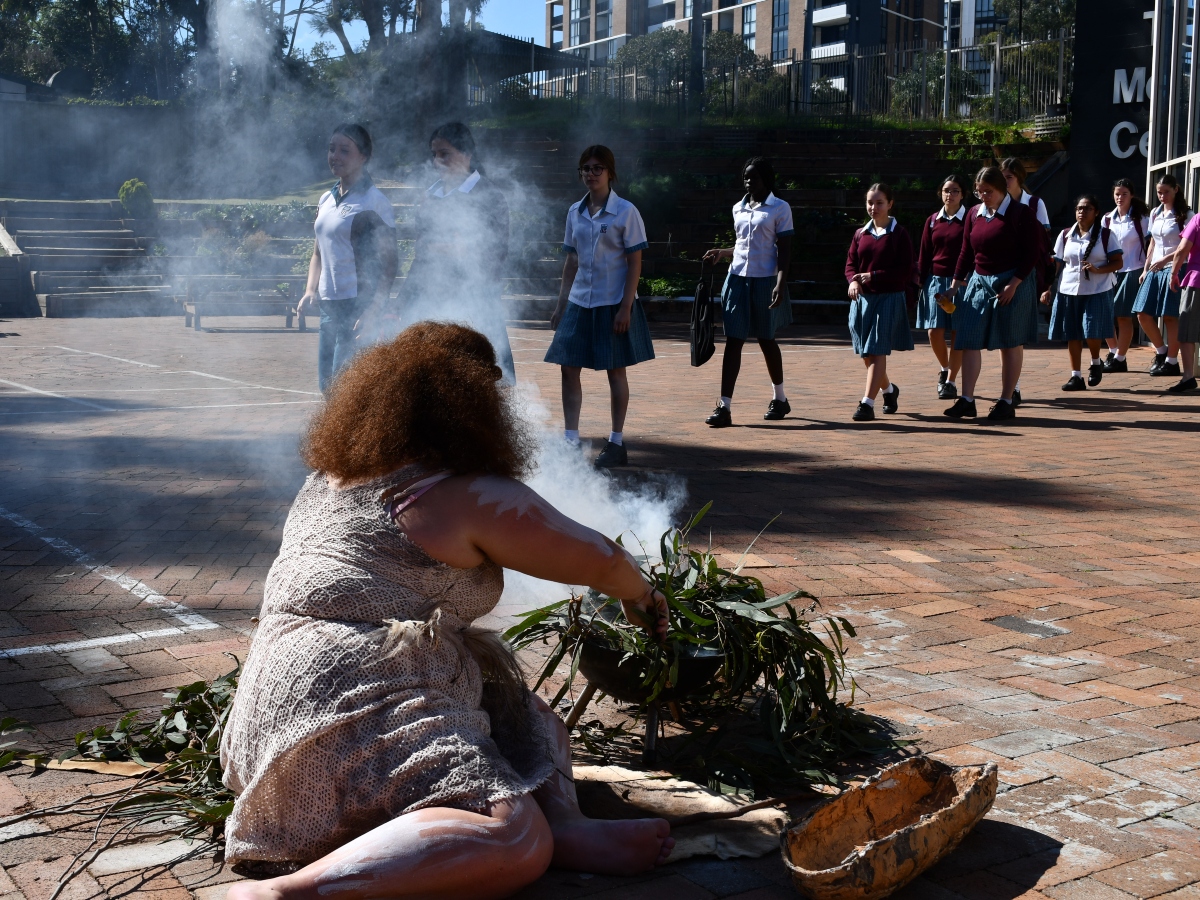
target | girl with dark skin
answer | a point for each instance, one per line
(763, 224)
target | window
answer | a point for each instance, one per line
(556, 26)
(779, 30)
(749, 25)
(603, 18)
(580, 27)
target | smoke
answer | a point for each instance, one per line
(637, 512)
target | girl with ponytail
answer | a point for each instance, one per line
(1130, 224)
(1086, 256)
(1156, 300)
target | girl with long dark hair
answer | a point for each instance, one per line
(1087, 254)
(941, 243)
(461, 247)
(1000, 249)
(1129, 223)
(354, 259)
(1014, 178)
(1156, 299)
(754, 301)
(879, 269)
(598, 322)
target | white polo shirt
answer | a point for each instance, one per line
(439, 190)
(757, 229)
(1165, 231)
(1069, 249)
(603, 243)
(335, 219)
(1132, 248)
(1040, 212)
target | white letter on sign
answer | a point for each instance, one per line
(1124, 87)
(1114, 143)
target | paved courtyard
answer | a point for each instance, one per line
(1023, 593)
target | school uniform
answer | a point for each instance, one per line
(1083, 303)
(602, 242)
(879, 319)
(350, 271)
(997, 247)
(941, 243)
(746, 297)
(1189, 295)
(458, 260)
(1130, 233)
(1155, 297)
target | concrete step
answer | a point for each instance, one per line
(67, 240)
(63, 282)
(62, 209)
(67, 261)
(109, 304)
(16, 224)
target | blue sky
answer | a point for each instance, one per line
(519, 18)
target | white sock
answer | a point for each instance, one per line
(968, 399)
(868, 401)
(778, 389)
(616, 437)
(1018, 385)
(891, 387)
(571, 437)
(1096, 361)
(1075, 373)
(1161, 351)
(1006, 401)
(727, 402)
(951, 383)
(1171, 361)
(944, 369)
(1119, 358)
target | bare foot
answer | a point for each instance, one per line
(611, 846)
(254, 890)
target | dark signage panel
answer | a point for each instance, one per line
(1110, 102)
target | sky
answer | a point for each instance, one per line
(522, 19)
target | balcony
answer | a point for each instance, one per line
(830, 52)
(831, 15)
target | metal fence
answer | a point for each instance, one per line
(992, 81)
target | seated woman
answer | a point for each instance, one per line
(378, 738)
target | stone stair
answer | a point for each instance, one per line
(87, 259)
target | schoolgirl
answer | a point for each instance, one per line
(879, 268)
(354, 257)
(754, 301)
(1014, 179)
(461, 247)
(941, 243)
(1155, 298)
(1188, 332)
(1086, 255)
(598, 323)
(1129, 223)
(999, 252)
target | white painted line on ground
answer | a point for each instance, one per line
(33, 390)
(132, 362)
(265, 387)
(187, 619)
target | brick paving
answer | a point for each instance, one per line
(1023, 593)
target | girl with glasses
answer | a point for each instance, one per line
(1000, 248)
(1130, 224)
(754, 301)
(598, 323)
(941, 243)
(1156, 299)
(1086, 254)
(879, 268)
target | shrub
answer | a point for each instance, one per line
(136, 198)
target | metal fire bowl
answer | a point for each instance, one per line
(602, 667)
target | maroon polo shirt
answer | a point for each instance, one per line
(889, 259)
(1000, 244)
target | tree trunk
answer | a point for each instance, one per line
(335, 25)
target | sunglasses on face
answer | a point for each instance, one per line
(591, 170)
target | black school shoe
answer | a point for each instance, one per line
(1168, 369)
(776, 410)
(1075, 383)
(1001, 411)
(1160, 360)
(721, 417)
(864, 413)
(1112, 354)
(1016, 400)
(891, 402)
(1095, 372)
(962, 409)
(947, 391)
(1115, 365)
(612, 456)
(943, 377)
(1187, 384)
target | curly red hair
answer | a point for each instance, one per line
(431, 397)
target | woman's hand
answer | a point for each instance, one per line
(1010, 290)
(650, 612)
(621, 319)
(777, 294)
(854, 290)
(1142, 277)
(1047, 296)
(1175, 285)
(716, 254)
(556, 317)
(310, 300)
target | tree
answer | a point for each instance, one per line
(662, 55)
(1039, 18)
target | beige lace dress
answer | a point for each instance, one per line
(359, 700)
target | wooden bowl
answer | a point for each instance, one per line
(875, 838)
